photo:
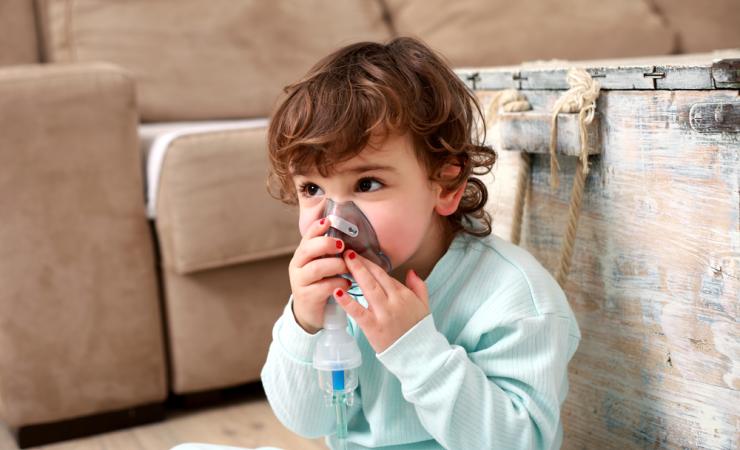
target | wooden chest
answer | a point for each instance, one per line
(654, 274)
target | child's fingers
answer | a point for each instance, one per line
(316, 247)
(417, 285)
(317, 228)
(371, 288)
(352, 307)
(320, 268)
(323, 289)
(387, 282)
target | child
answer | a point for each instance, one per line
(465, 343)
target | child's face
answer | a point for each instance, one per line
(390, 185)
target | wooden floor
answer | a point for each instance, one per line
(249, 423)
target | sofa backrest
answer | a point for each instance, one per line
(223, 59)
(503, 32)
(215, 59)
(702, 26)
(18, 41)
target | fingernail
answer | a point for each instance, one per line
(338, 293)
(340, 244)
(322, 221)
(351, 254)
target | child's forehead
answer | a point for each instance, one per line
(377, 155)
(363, 162)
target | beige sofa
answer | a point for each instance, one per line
(141, 254)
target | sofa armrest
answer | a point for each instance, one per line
(80, 323)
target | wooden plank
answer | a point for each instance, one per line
(494, 79)
(530, 132)
(684, 78)
(655, 279)
(684, 72)
(608, 78)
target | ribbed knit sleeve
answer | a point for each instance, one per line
(291, 383)
(502, 396)
(487, 369)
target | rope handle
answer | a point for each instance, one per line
(580, 98)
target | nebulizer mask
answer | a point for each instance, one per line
(337, 356)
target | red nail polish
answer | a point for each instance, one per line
(322, 221)
(352, 255)
(339, 293)
(339, 243)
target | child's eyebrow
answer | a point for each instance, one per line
(358, 169)
(370, 167)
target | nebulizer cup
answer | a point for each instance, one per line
(336, 355)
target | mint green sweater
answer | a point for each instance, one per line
(487, 369)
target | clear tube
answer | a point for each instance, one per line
(340, 404)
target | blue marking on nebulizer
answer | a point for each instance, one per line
(337, 380)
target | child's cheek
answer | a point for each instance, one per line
(378, 218)
(306, 217)
(404, 242)
(393, 234)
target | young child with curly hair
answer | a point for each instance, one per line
(465, 342)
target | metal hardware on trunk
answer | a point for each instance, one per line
(518, 78)
(473, 79)
(726, 73)
(654, 75)
(715, 117)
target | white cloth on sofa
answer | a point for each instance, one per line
(155, 139)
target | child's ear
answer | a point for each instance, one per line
(449, 199)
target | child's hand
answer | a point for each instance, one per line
(313, 278)
(393, 308)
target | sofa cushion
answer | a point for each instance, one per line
(496, 32)
(210, 202)
(18, 41)
(206, 59)
(219, 322)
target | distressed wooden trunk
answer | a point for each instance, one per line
(655, 274)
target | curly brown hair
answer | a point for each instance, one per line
(368, 89)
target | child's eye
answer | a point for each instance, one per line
(369, 185)
(310, 190)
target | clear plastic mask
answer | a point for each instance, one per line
(349, 224)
